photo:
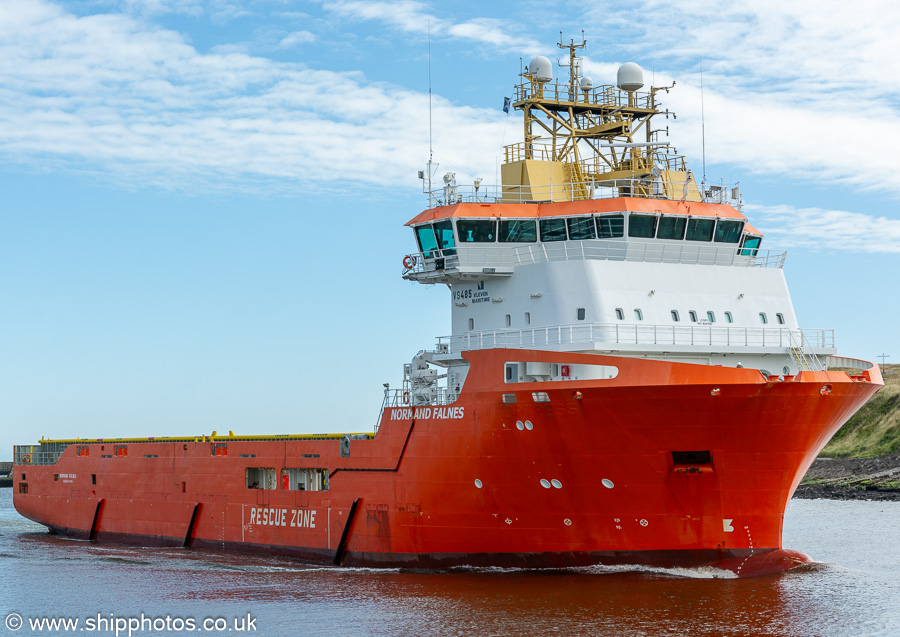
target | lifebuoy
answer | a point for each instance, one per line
(409, 261)
(406, 398)
(26, 457)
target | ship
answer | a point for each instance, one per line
(626, 382)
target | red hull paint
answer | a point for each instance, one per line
(413, 485)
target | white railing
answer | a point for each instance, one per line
(629, 334)
(684, 252)
(572, 191)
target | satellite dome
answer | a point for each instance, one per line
(630, 77)
(586, 84)
(541, 69)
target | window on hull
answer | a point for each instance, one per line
(304, 479)
(261, 478)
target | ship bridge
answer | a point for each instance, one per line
(599, 240)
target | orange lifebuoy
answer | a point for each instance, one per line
(409, 261)
(26, 457)
(406, 398)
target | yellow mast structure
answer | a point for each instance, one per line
(579, 138)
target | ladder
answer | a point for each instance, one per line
(802, 360)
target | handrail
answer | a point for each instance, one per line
(659, 251)
(630, 334)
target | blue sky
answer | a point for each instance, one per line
(203, 201)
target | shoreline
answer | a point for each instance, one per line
(876, 478)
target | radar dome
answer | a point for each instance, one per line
(541, 69)
(630, 77)
(586, 84)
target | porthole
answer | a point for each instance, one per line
(711, 316)
(556, 483)
(675, 316)
(580, 314)
(527, 318)
(520, 425)
(763, 318)
(620, 314)
(478, 483)
(728, 317)
(693, 315)
(607, 483)
(471, 324)
(545, 483)
(528, 425)
(786, 370)
(780, 318)
(508, 320)
(638, 315)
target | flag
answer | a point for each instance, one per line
(506, 101)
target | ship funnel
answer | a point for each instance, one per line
(630, 77)
(541, 69)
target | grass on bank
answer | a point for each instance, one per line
(875, 429)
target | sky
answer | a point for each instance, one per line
(203, 200)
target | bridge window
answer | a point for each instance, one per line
(728, 317)
(620, 314)
(581, 228)
(671, 228)
(611, 226)
(518, 231)
(427, 242)
(477, 230)
(700, 229)
(728, 231)
(675, 316)
(642, 226)
(553, 230)
(444, 232)
(780, 318)
(750, 247)
(580, 314)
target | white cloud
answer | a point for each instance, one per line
(417, 17)
(297, 37)
(805, 89)
(786, 226)
(109, 94)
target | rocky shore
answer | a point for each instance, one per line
(875, 478)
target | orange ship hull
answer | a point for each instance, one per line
(667, 464)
